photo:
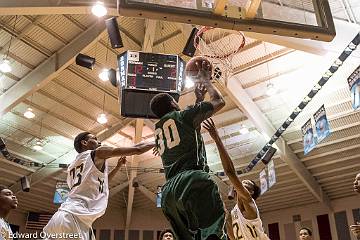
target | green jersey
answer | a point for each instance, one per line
(178, 139)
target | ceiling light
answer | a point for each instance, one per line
(5, 66)
(104, 75)
(38, 146)
(270, 89)
(99, 9)
(29, 113)
(189, 83)
(102, 119)
(244, 130)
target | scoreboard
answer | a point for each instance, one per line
(143, 75)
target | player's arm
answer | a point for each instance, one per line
(204, 76)
(229, 227)
(242, 193)
(121, 161)
(103, 153)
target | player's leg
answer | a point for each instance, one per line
(174, 211)
(204, 205)
(64, 223)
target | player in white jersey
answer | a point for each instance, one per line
(89, 191)
(246, 222)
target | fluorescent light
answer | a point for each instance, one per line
(5, 66)
(104, 75)
(37, 147)
(244, 130)
(102, 119)
(99, 9)
(29, 113)
(189, 83)
(270, 89)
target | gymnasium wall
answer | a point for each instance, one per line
(309, 214)
(143, 224)
(146, 223)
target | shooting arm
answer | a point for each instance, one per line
(215, 97)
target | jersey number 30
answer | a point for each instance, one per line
(171, 134)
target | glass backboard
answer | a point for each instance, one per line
(310, 19)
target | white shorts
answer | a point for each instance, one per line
(64, 225)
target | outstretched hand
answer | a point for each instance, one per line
(355, 229)
(209, 125)
(200, 92)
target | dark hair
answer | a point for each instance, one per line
(257, 190)
(160, 104)
(78, 139)
(166, 231)
(2, 187)
(307, 229)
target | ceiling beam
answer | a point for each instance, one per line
(114, 129)
(147, 193)
(262, 123)
(118, 188)
(251, 8)
(49, 69)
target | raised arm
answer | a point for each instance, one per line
(103, 153)
(204, 76)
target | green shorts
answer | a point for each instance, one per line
(192, 204)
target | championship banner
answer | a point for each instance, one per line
(271, 173)
(263, 181)
(308, 137)
(61, 192)
(158, 196)
(321, 124)
(354, 85)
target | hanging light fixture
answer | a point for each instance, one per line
(104, 75)
(5, 66)
(244, 130)
(99, 9)
(38, 146)
(102, 119)
(270, 89)
(29, 113)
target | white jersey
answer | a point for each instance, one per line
(5, 230)
(89, 189)
(245, 229)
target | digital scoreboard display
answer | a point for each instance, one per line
(150, 71)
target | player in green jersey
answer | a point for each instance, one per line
(190, 199)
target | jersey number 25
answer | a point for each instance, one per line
(169, 130)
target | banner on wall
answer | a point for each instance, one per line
(354, 85)
(158, 196)
(61, 192)
(321, 124)
(271, 173)
(263, 181)
(309, 139)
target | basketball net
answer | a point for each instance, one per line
(219, 46)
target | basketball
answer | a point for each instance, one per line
(194, 64)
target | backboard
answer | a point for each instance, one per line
(309, 19)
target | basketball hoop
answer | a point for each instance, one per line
(219, 46)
